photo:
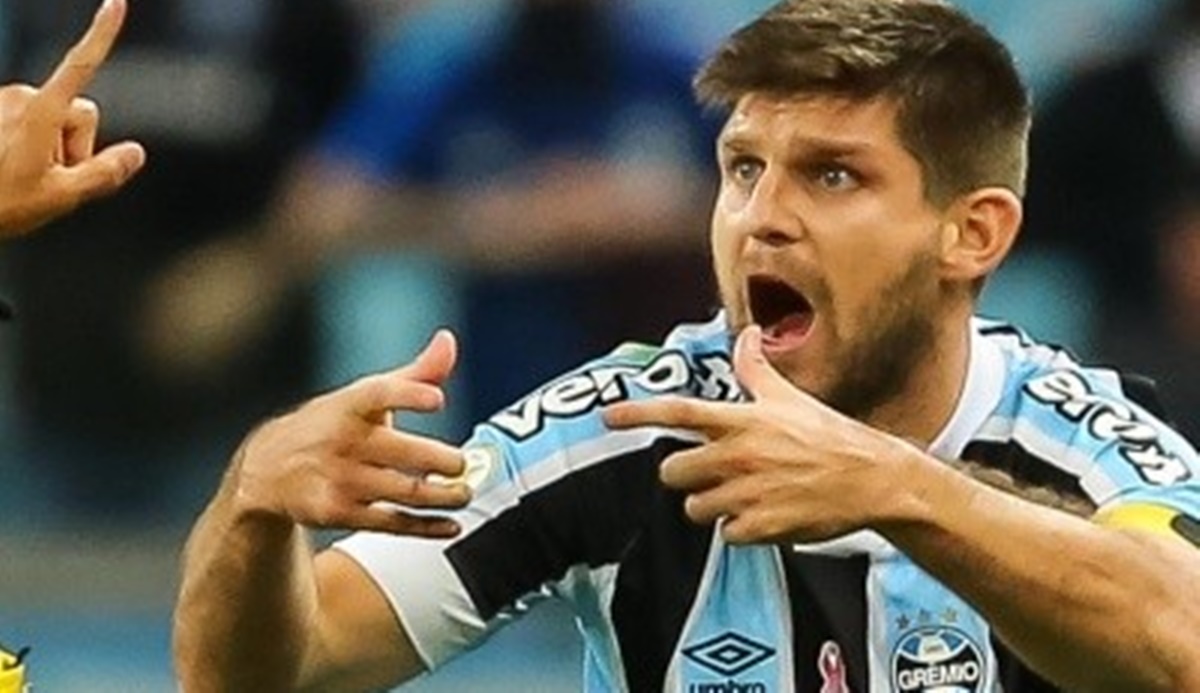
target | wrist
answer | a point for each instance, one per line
(249, 497)
(910, 491)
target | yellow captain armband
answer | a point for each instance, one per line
(12, 671)
(1157, 519)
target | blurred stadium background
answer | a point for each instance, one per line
(330, 179)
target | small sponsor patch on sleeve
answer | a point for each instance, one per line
(1157, 519)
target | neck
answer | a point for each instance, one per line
(923, 409)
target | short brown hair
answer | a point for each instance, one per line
(964, 113)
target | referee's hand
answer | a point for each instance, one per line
(48, 159)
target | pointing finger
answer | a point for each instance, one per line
(386, 392)
(82, 61)
(413, 453)
(712, 418)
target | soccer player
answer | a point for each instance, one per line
(785, 498)
(49, 164)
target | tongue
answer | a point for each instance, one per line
(793, 327)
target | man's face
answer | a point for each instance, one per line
(822, 235)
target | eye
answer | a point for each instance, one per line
(835, 177)
(745, 170)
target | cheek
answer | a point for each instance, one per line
(854, 269)
(861, 276)
(724, 250)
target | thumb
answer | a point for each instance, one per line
(106, 172)
(758, 377)
(436, 361)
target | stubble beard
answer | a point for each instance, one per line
(879, 366)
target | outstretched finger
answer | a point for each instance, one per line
(388, 392)
(82, 61)
(412, 453)
(384, 392)
(697, 468)
(711, 418)
(409, 491)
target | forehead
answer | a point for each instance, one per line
(769, 120)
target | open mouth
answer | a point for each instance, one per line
(784, 313)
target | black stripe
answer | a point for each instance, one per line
(829, 602)
(1187, 527)
(1025, 467)
(1002, 329)
(1144, 391)
(588, 518)
(657, 584)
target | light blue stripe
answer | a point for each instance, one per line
(739, 623)
(1067, 433)
(925, 622)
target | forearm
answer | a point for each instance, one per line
(247, 601)
(1091, 608)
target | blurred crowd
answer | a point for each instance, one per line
(330, 180)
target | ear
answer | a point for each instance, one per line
(979, 233)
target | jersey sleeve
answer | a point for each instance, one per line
(1138, 471)
(557, 495)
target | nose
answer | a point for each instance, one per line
(772, 214)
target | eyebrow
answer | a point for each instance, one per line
(809, 146)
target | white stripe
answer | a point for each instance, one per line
(878, 653)
(981, 392)
(604, 579)
(590, 592)
(991, 662)
(787, 669)
(425, 592)
(856, 544)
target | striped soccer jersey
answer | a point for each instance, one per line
(566, 508)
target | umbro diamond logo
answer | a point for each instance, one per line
(728, 654)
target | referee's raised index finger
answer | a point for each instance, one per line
(81, 62)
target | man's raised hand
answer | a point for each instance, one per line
(337, 462)
(781, 467)
(48, 159)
